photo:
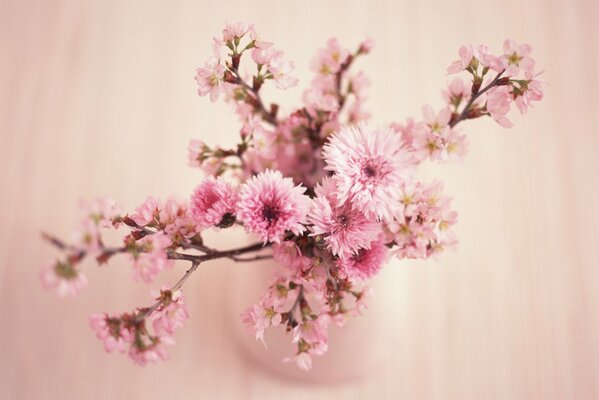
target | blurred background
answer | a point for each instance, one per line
(98, 98)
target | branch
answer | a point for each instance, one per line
(257, 100)
(464, 114)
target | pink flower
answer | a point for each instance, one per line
(171, 314)
(101, 211)
(457, 92)
(516, 57)
(369, 163)
(330, 59)
(263, 56)
(289, 255)
(269, 205)
(210, 78)
(498, 105)
(150, 350)
(111, 331)
(531, 89)
(63, 277)
(148, 212)
(366, 46)
(302, 360)
(213, 203)
(256, 39)
(344, 229)
(197, 152)
(234, 30)
(366, 262)
(466, 54)
(281, 70)
(149, 257)
(175, 219)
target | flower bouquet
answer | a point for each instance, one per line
(326, 194)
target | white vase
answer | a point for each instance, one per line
(358, 348)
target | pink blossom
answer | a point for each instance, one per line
(498, 105)
(150, 350)
(267, 312)
(88, 236)
(148, 212)
(366, 46)
(63, 277)
(457, 92)
(102, 211)
(516, 57)
(330, 59)
(344, 229)
(369, 163)
(281, 70)
(289, 255)
(234, 30)
(175, 218)
(302, 360)
(149, 257)
(466, 53)
(210, 78)
(531, 89)
(213, 203)
(263, 56)
(256, 39)
(366, 262)
(269, 205)
(111, 331)
(197, 153)
(171, 314)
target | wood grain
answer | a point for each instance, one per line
(98, 97)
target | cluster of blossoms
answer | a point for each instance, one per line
(327, 195)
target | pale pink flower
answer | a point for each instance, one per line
(456, 145)
(146, 350)
(148, 213)
(259, 43)
(366, 46)
(516, 57)
(466, 53)
(457, 92)
(281, 70)
(213, 203)
(197, 152)
(149, 257)
(263, 56)
(302, 360)
(101, 211)
(498, 105)
(234, 30)
(344, 229)
(369, 163)
(530, 92)
(366, 262)
(111, 331)
(175, 218)
(269, 205)
(210, 78)
(436, 122)
(88, 236)
(362, 300)
(289, 255)
(358, 84)
(64, 278)
(428, 144)
(330, 59)
(171, 314)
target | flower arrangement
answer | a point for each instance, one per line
(325, 193)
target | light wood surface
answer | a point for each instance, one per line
(98, 97)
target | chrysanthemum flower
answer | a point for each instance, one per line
(369, 164)
(344, 229)
(213, 203)
(269, 205)
(366, 262)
